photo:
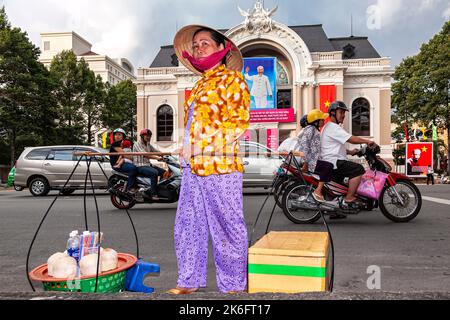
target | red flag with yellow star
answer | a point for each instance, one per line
(327, 97)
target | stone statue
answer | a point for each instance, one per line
(258, 20)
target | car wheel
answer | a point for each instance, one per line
(17, 188)
(39, 187)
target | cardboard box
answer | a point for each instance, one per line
(289, 262)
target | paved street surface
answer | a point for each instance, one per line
(413, 257)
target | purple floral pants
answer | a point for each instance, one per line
(211, 205)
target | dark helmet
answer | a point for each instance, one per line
(147, 132)
(337, 105)
(304, 121)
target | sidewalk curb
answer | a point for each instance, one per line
(218, 296)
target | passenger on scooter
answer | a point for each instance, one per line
(126, 147)
(129, 168)
(143, 163)
(309, 144)
(333, 150)
(292, 143)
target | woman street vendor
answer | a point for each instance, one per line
(211, 197)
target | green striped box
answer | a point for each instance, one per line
(289, 262)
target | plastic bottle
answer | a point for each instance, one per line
(73, 245)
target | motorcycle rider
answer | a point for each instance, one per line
(333, 150)
(143, 163)
(309, 144)
(129, 168)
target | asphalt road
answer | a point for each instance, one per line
(413, 257)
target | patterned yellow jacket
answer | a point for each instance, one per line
(221, 115)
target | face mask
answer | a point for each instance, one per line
(208, 62)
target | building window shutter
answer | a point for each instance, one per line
(164, 123)
(361, 117)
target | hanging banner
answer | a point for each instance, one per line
(187, 94)
(261, 77)
(104, 136)
(278, 116)
(272, 139)
(435, 134)
(418, 157)
(424, 135)
(327, 97)
(405, 130)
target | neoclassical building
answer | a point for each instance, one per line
(312, 69)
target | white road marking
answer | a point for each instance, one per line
(437, 200)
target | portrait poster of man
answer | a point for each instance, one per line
(418, 157)
(261, 77)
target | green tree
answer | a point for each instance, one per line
(120, 107)
(68, 93)
(27, 110)
(80, 96)
(92, 98)
(422, 88)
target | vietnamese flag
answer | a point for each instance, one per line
(187, 94)
(327, 97)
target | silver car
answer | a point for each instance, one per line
(42, 169)
(260, 163)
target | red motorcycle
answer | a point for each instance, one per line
(400, 200)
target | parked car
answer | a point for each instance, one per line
(260, 164)
(42, 169)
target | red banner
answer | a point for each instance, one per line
(327, 97)
(187, 94)
(418, 157)
(272, 139)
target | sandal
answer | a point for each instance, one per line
(318, 197)
(182, 291)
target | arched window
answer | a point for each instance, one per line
(164, 123)
(361, 117)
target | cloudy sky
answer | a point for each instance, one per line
(135, 29)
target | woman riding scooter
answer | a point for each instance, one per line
(128, 168)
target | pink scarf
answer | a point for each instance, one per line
(208, 62)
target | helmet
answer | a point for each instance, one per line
(304, 121)
(120, 130)
(144, 132)
(126, 144)
(337, 105)
(316, 115)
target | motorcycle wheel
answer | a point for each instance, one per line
(119, 203)
(299, 216)
(393, 209)
(279, 188)
(283, 188)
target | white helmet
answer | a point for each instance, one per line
(120, 130)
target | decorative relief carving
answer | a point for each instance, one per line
(360, 80)
(164, 86)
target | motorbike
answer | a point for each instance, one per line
(399, 201)
(445, 180)
(168, 189)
